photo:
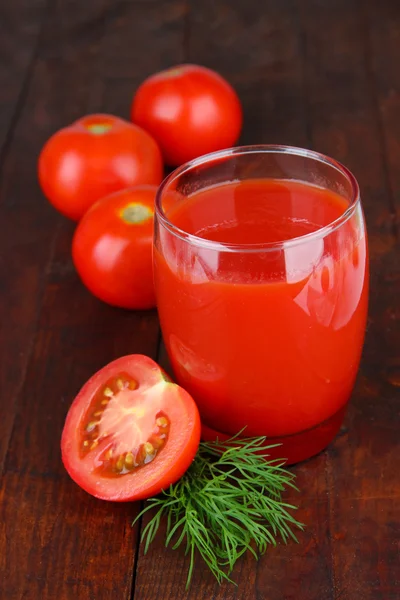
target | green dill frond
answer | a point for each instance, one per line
(228, 502)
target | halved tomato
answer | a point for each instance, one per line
(130, 431)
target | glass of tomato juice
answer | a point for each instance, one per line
(261, 275)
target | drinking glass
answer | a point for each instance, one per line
(262, 294)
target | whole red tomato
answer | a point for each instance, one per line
(112, 248)
(95, 156)
(130, 432)
(189, 110)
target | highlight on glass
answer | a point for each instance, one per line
(261, 274)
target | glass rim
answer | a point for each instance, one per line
(205, 159)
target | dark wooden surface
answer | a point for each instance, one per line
(322, 74)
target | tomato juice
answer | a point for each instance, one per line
(262, 299)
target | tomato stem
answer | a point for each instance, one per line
(136, 213)
(99, 128)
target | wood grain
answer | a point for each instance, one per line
(68, 334)
(20, 28)
(26, 236)
(310, 73)
(73, 547)
(271, 85)
(362, 467)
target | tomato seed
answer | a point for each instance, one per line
(98, 413)
(104, 402)
(120, 384)
(91, 426)
(129, 460)
(108, 392)
(120, 463)
(86, 443)
(161, 422)
(94, 445)
(148, 448)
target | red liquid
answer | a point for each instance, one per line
(267, 340)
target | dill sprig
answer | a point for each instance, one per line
(228, 501)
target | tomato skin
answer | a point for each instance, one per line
(93, 157)
(113, 257)
(167, 467)
(190, 110)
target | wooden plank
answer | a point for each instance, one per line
(362, 469)
(65, 333)
(260, 52)
(29, 237)
(20, 26)
(366, 532)
(53, 553)
(382, 39)
(21, 256)
(382, 24)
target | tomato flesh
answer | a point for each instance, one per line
(130, 432)
(133, 430)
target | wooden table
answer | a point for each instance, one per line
(323, 74)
